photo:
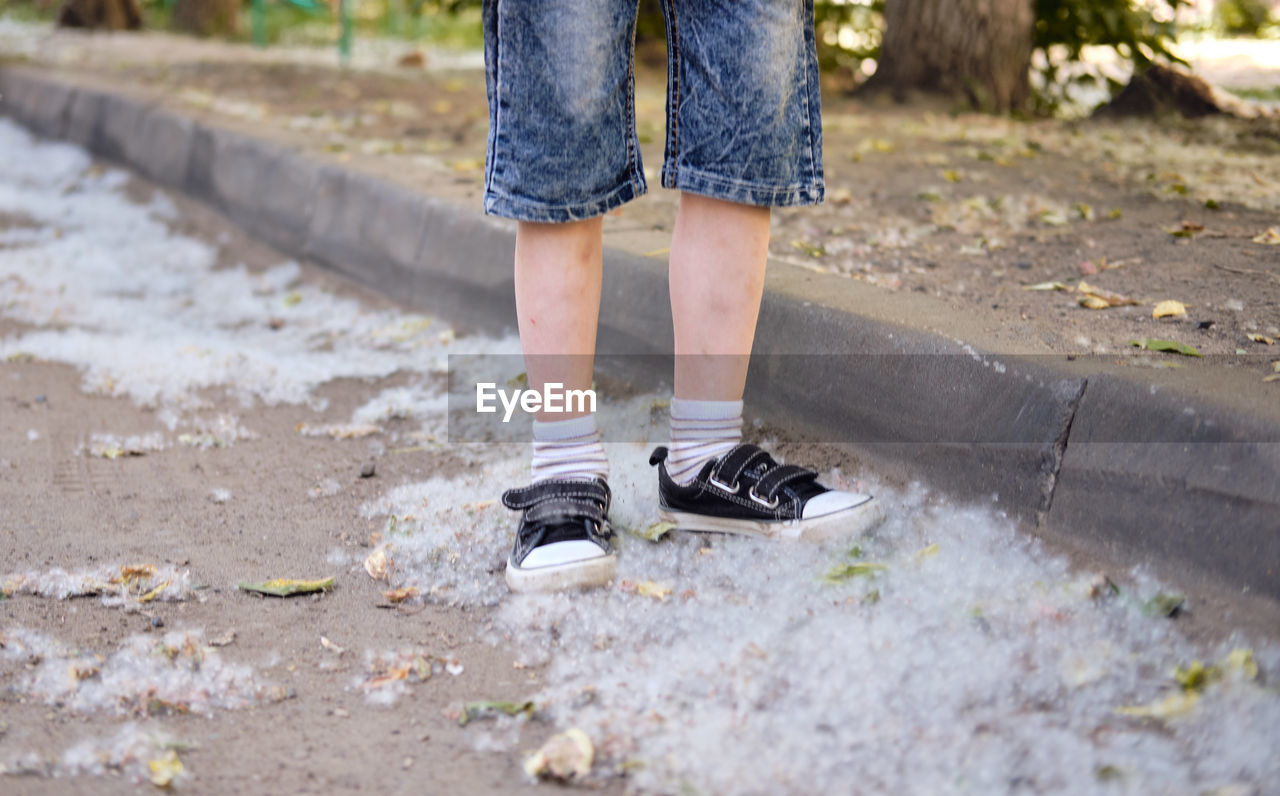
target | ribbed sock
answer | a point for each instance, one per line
(568, 449)
(701, 431)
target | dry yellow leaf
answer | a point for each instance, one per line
(131, 572)
(926, 552)
(154, 593)
(1169, 309)
(1269, 237)
(377, 564)
(401, 594)
(165, 769)
(648, 588)
(1093, 302)
(1111, 299)
(1178, 703)
(1260, 338)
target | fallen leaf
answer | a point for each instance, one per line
(1046, 286)
(401, 594)
(134, 572)
(1260, 338)
(656, 531)
(154, 593)
(1178, 703)
(1169, 309)
(1241, 660)
(1052, 218)
(165, 769)
(1084, 210)
(287, 587)
(1164, 605)
(859, 569)
(1111, 299)
(565, 756)
(400, 673)
(468, 164)
(811, 249)
(1115, 213)
(840, 196)
(1187, 229)
(647, 588)
(377, 564)
(1268, 237)
(485, 708)
(329, 645)
(1271, 378)
(951, 175)
(1094, 303)
(1152, 344)
(1196, 676)
(927, 552)
(223, 640)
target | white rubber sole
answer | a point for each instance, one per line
(854, 521)
(586, 574)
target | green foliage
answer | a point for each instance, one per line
(1141, 32)
(1240, 17)
(848, 34)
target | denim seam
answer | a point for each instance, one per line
(808, 92)
(497, 94)
(675, 101)
(593, 207)
(729, 182)
(633, 143)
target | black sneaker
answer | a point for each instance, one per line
(563, 538)
(746, 492)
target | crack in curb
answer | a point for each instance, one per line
(1059, 452)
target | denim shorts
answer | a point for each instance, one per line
(743, 111)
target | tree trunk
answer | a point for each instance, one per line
(206, 17)
(978, 50)
(100, 15)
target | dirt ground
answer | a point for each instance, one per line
(968, 209)
(64, 509)
(895, 219)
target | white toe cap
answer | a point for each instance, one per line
(832, 502)
(557, 553)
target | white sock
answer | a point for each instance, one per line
(568, 449)
(701, 431)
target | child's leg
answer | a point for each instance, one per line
(718, 254)
(557, 274)
(708, 480)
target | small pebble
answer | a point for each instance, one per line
(408, 761)
(157, 621)
(341, 713)
(41, 398)
(368, 470)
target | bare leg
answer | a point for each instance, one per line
(718, 254)
(558, 302)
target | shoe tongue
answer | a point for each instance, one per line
(565, 531)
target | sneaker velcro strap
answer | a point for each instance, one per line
(577, 489)
(737, 461)
(553, 512)
(773, 480)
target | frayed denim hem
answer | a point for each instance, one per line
(741, 191)
(522, 209)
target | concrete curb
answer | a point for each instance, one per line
(1096, 461)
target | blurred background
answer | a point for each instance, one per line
(1040, 57)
